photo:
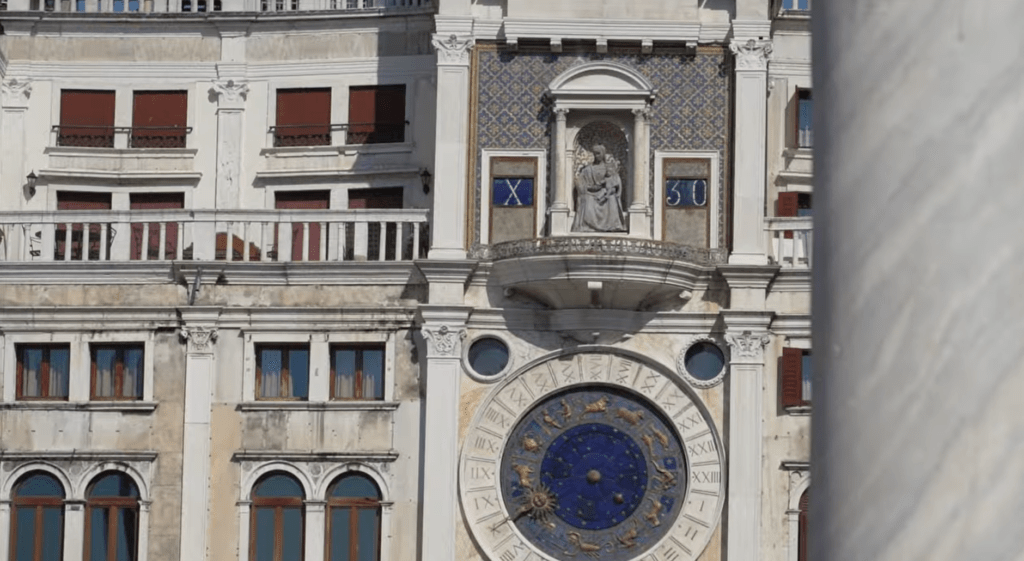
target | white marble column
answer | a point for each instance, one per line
(918, 437)
(639, 212)
(561, 186)
(749, 181)
(443, 331)
(200, 334)
(448, 240)
(747, 336)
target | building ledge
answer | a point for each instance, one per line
(309, 456)
(318, 406)
(117, 406)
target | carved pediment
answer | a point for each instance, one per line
(601, 79)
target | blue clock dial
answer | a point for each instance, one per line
(595, 470)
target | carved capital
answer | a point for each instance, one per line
(452, 50)
(643, 114)
(747, 346)
(199, 339)
(230, 92)
(16, 92)
(751, 55)
(560, 113)
(442, 341)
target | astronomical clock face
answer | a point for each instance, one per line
(593, 456)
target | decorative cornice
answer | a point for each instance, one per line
(200, 339)
(16, 92)
(304, 456)
(600, 246)
(752, 55)
(230, 94)
(747, 346)
(443, 341)
(453, 50)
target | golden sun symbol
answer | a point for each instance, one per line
(540, 504)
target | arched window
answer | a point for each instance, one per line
(112, 518)
(37, 524)
(277, 521)
(805, 501)
(353, 519)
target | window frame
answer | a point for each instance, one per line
(322, 135)
(798, 97)
(286, 348)
(791, 380)
(354, 505)
(358, 390)
(119, 348)
(108, 139)
(278, 504)
(114, 505)
(540, 187)
(19, 349)
(39, 504)
(713, 190)
(370, 134)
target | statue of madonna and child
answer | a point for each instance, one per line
(598, 189)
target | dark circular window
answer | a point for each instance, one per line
(704, 361)
(488, 356)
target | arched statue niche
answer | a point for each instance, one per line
(600, 178)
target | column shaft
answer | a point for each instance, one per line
(562, 188)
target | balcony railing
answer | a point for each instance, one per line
(789, 241)
(198, 6)
(209, 235)
(94, 136)
(321, 134)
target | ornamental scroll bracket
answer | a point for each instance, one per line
(747, 346)
(230, 93)
(443, 341)
(453, 50)
(199, 339)
(752, 54)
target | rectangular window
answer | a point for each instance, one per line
(376, 114)
(377, 198)
(513, 194)
(117, 371)
(804, 118)
(43, 371)
(86, 118)
(795, 377)
(304, 200)
(70, 247)
(303, 117)
(796, 5)
(687, 193)
(357, 372)
(155, 201)
(282, 372)
(159, 120)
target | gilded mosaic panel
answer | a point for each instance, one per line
(691, 111)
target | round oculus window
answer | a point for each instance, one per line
(488, 356)
(704, 361)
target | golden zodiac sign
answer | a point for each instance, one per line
(666, 477)
(540, 503)
(631, 417)
(524, 475)
(566, 410)
(629, 538)
(652, 515)
(599, 406)
(551, 420)
(649, 441)
(530, 444)
(589, 549)
(660, 436)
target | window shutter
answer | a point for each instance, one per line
(805, 502)
(309, 200)
(788, 204)
(159, 119)
(86, 118)
(792, 377)
(72, 200)
(303, 117)
(376, 114)
(377, 198)
(154, 201)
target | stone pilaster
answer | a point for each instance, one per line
(639, 212)
(450, 185)
(200, 333)
(750, 160)
(560, 186)
(747, 336)
(15, 94)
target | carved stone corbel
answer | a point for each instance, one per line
(199, 339)
(452, 50)
(16, 92)
(747, 346)
(752, 54)
(230, 93)
(442, 341)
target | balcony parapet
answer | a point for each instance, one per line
(601, 246)
(790, 241)
(137, 8)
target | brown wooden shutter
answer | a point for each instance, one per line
(376, 114)
(805, 507)
(792, 377)
(309, 200)
(303, 117)
(72, 200)
(86, 118)
(149, 201)
(379, 198)
(159, 119)
(788, 204)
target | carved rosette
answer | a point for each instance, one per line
(443, 341)
(452, 50)
(747, 346)
(16, 92)
(230, 93)
(752, 54)
(199, 339)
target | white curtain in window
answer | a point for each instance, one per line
(31, 380)
(106, 363)
(131, 384)
(59, 367)
(270, 373)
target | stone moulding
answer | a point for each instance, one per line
(600, 246)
